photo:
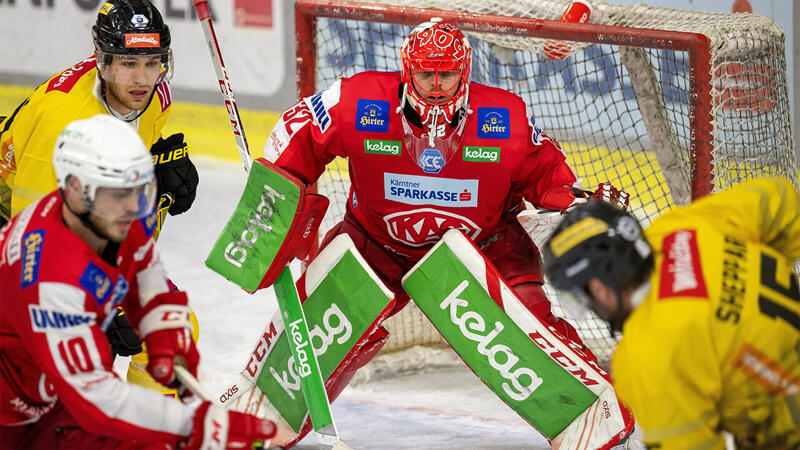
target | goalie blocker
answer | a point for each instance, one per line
(274, 222)
(540, 374)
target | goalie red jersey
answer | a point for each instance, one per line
(56, 299)
(406, 193)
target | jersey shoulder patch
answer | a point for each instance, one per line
(67, 79)
(681, 269)
(321, 103)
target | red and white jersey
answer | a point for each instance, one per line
(57, 296)
(502, 157)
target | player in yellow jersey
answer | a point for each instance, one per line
(128, 78)
(709, 309)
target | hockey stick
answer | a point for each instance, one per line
(164, 203)
(192, 384)
(195, 387)
(312, 383)
(203, 14)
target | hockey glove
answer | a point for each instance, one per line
(167, 333)
(122, 337)
(216, 428)
(175, 172)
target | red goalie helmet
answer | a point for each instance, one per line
(436, 59)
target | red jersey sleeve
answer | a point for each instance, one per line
(547, 180)
(68, 344)
(306, 137)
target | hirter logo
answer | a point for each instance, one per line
(426, 226)
(139, 40)
(681, 271)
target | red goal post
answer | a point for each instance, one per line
(669, 105)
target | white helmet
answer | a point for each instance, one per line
(104, 152)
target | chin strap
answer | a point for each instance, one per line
(84, 218)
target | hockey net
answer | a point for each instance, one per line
(669, 105)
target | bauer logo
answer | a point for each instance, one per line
(372, 115)
(419, 190)
(45, 319)
(31, 254)
(96, 282)
(482, 154)
(382, 147)
(493, 123)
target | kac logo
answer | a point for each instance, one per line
(372, 115)
(426, 226)
(493, 123)
(431, 161)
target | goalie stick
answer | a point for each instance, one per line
(312, 385)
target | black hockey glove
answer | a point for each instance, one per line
(175, 172)
(123, 339)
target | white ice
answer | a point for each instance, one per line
(438, 409)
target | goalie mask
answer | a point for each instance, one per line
(436, 59)
(597, 240)
(103, 166)
(133, 32)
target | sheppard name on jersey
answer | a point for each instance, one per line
(44, 319)
(418, 190)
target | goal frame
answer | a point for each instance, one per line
(696, 45)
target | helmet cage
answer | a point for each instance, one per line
(438, 48)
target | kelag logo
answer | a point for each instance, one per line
(418, 190)
(372, 115)
(382, 147)
(493, 123)
(482, 154)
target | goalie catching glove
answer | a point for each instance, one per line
(540, 223)
(175, 172)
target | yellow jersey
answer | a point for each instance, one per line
(28, 135)
(715, 346)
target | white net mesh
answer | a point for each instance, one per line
(622, 113)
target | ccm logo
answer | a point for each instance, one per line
(260, 352)
(228, 394)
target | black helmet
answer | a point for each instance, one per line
(597, 240)
(130, 27)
